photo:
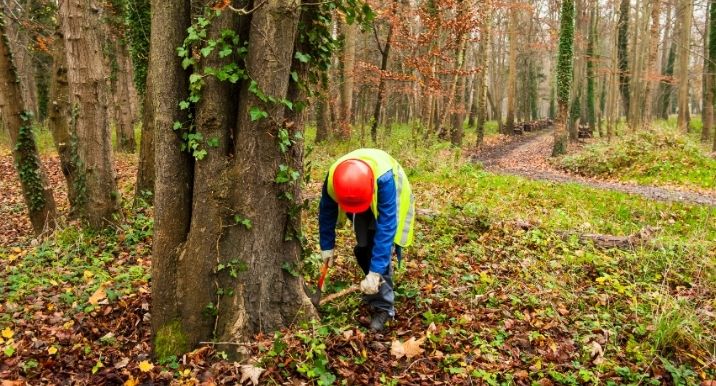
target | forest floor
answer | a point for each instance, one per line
(529, 156)
(508, 282)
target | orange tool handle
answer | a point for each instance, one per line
(324, 271)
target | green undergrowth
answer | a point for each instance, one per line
(499, 267)
(74, 264)
(662, 156)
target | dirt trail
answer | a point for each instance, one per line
(528, 155)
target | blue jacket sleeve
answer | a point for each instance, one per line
(386, 224)
(327, 219)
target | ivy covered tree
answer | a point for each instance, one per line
(17, 119)
(564, 76)
(622, 53)
(229, 146)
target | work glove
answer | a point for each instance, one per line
(327, 256)
(371, 283)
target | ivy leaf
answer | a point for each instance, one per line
(226, 51)
(186, 62)
(193, 78)
(294, 76)
(213, 142)
(254, 89)
(206, 51)
(177, 125)
(303, 58)
(183, 105)
(287, 103)
(199, 154)
(256, 113)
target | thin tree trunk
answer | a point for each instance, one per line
(652, 69)
(18, 121)
(484, 69)
(512, 73)
(145, 169)
(349, 53)
(385, 52)
(266, 297)
(123, 108)
(623, 28)
(323, 116)
(59, 120)
(98, 198)
(709, 72)
(564, 76)
(686, 9)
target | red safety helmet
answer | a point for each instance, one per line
(353, 185)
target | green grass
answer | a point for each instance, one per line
(662, 156)
(46, 145)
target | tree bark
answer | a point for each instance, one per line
(19, 43)
(173, 172)
(18, 121)
(484, 70)
(60, 113)
(652, 69)
(122, 103)
(216, 118)
(623, 29)
(266, 296)
(145, 169)
(686, 16)
(98, 198)
(349, 53)
(512, 73)
(323, 115)
(564, 76)
(385, 52)
(709, 72)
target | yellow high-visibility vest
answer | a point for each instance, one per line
(380, 163)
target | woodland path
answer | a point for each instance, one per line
(528, 156)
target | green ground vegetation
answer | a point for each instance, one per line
(499, 287)
(662, 156)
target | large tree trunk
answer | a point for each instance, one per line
(18, 121)
(266, 296)
(244, 218)
(349, 53)
(98, 198)
(686, 16)
(173, 167)
(60, 113)
(122, 100)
